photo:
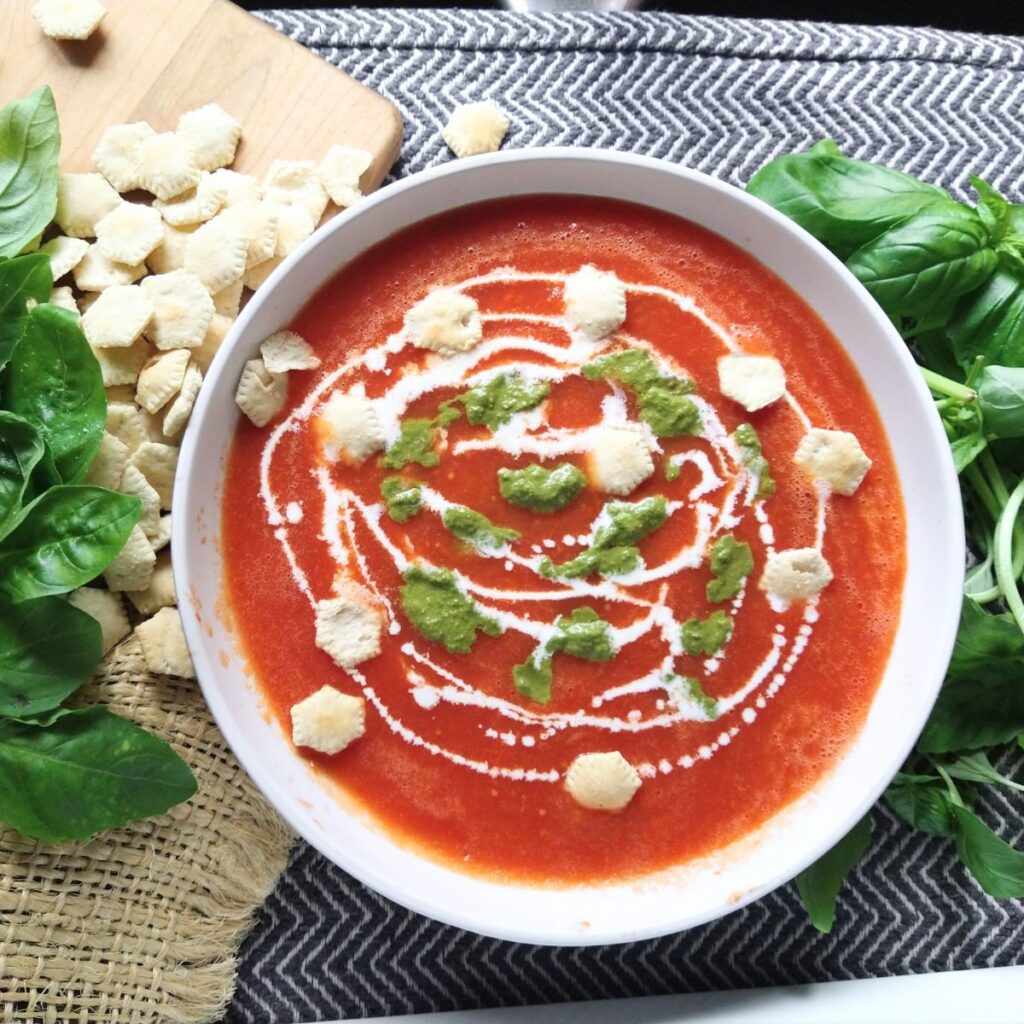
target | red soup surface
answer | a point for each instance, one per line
(457, 760)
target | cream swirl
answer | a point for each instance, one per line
(722, 494)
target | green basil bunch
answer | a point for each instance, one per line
(951, 278)
(64, 773)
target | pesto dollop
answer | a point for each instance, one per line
(495, 402)
(731, 563)
(441, 612)
(753, 458)
(403, 499)
(613, 551)
(540, 489)
(583, 634)
(706, 636)
(417, 439)
(693, 689)
(661, 398)
(475, 528)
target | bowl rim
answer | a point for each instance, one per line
(947, 496)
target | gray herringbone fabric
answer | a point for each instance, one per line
(723, 96)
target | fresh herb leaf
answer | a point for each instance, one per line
(986, 643)
(843, 202)
(922, 802)
(989, 322)
(993, 209)
(54, 381)
(819, 884)
(21, 279)
(1001, 400)
(540, 489)
(997, 866)
(731, 563)
(926, 261)
(974, 713)
(476, 529)
(64, 539)
(21, 449)
(497, 400)
(441, 611)
(978, 768)
(48, 649)
(29, 146)
(80, 772)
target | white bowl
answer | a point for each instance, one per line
(699, 891)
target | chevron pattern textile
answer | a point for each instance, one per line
(722, 96)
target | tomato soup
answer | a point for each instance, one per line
(563, 528)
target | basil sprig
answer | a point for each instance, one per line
(64, 773)
(951, 278)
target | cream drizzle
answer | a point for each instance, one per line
(434, 685)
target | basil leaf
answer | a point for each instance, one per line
(64, 539)
(84, 771)
(997, 866)
(29, 147)
(819, 884)
(967, 448)
(926, 261)
(21, 449)
(48, 649)
(993, 209)
(978, 768)
(21, 279)
(984, 642)
(975, 713)
(843, 202)
(923, 805)
(1001, 400)
(989, 322)
(55, 382)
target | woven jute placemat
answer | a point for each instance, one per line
(141, 924)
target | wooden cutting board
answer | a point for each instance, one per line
(152, 60)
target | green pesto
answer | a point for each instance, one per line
(608, 562)
(415, 444)
(731, 563)
(706, 636)
(696, 693)
(533, 679)
(417, 439)
(441, 612)
(475, 528)
(540, 489)
(613, 552)
(631, 520)
(402, 498)
(753, 458)
(496, 401)
(583, 634)
(672, 470)
(661, 398)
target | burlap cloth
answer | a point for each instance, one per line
(141, 924)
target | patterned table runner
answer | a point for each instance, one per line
(722, 96)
